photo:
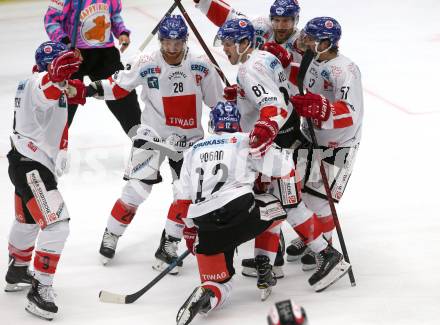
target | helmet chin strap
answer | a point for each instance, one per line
(240, 55)
(318, 53)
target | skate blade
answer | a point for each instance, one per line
(184, 315)
(338, 272)
(292, 258)
(16, 287)
(265, 293)
(252, 272)
(161, 265)
(36, 311)
(308, 267)
(249, 271)
(105, 260)
(278, 272)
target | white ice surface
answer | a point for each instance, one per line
(389, 214)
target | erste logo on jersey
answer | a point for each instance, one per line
(150, 70)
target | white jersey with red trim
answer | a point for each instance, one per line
(263, 90)
(219, 168)
(338, 80)
(173, 95)
(40, 119)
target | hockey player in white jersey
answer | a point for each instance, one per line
(260, 85)
(175, 84)
(280, 26)
(276, 33)
(334, 101)
(217, 180)
(37, 157)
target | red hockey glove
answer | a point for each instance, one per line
(62, 67)
(190, 235)
(262, 136)
(230, 93)
(76, 92)
(312, 105)
(280, 52)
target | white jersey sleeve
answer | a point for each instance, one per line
(263, 83)
(210, 82)
(40, 119)
(338, 80)
(182, 186)
(122, 82)
(276, 162)
(218, 11)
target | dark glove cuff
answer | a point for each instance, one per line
(65, 40)
(91, 91)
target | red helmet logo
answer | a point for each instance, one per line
(242, 23)
(47, 49)
(328, 24)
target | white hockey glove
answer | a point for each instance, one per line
(62, 163)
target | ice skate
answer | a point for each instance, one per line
(167, 254)
(296, 250)
(199, 302)
(250, 270)
(108, 246)
(41, 301)
(265, 277)
(330, 268)
(18, 277)
(249, 267)
(308, 261)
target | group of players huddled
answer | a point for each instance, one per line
(256, 169)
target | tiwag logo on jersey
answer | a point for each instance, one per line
(216, 277)
(180, 111)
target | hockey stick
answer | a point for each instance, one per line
(154, 31)
(305, 62)
(75, 25)
(202, 42)
(106, 296)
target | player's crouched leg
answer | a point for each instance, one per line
(216, 274)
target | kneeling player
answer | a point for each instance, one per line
(37, 157)
(217, 180)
